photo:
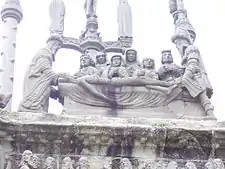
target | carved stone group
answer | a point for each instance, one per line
(123, 71)
(32, 161)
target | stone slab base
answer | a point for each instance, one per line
(177, 109)
(97, 137)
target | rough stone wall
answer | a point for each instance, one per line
(104, 139)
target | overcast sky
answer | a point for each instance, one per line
(152, 31)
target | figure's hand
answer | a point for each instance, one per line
(141, 73)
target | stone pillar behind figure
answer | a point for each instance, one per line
(11, 16)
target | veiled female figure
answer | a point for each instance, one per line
(124, 19)
(132, 64)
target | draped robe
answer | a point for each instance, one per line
(37, 83)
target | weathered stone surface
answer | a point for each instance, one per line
(96, 136)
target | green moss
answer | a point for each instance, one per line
(159, 124)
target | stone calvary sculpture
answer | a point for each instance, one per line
(124, 83)
(119, 111)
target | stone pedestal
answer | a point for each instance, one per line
(107, 138)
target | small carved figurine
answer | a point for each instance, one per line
(132, 63)
(34, 163)
(50, 163)
(148, 71)
(172, 165)
(209, 164)
(218, 164)
(168, 71)
(125, 164)
(87, 67)
(26, 157)
(116, 69)
(101, 62)
(190, 165)
(67, 163)
(108, 165)
(83, 163)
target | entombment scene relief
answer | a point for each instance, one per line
(124, 82)
(120, 109)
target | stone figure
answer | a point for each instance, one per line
(160, 165)
(146, 165)
(108, 165)
(40, 78)
(4, 100)
(26, 157)
(190, 165)
(90, 8)
(57, 14)
(50, 163)
(34, 163)
(101, 62)
(209, 164)
(132, 63)
(148, 71)
(125, 164)
(29, 160)
(83, 163)
(172, 165)
(218, 164)
(168, 71)
(67, 163)
(124, 19)
(87, 67)
(116, 68)
(193, 80)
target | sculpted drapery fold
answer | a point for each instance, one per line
(38, 81)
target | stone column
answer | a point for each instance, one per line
(11, 16)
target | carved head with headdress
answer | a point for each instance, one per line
(148, 63)
(209, 164)
(218, 164)
(54, 43)
(67, 163)
(130, 56)
(83, 163)
(167, 57)
(26, 156)
(86, 60)
(190, 165)
(172, 165)
(116, 61)
(50, 163)
(101, 58)
(125, 164)
(34, 162)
